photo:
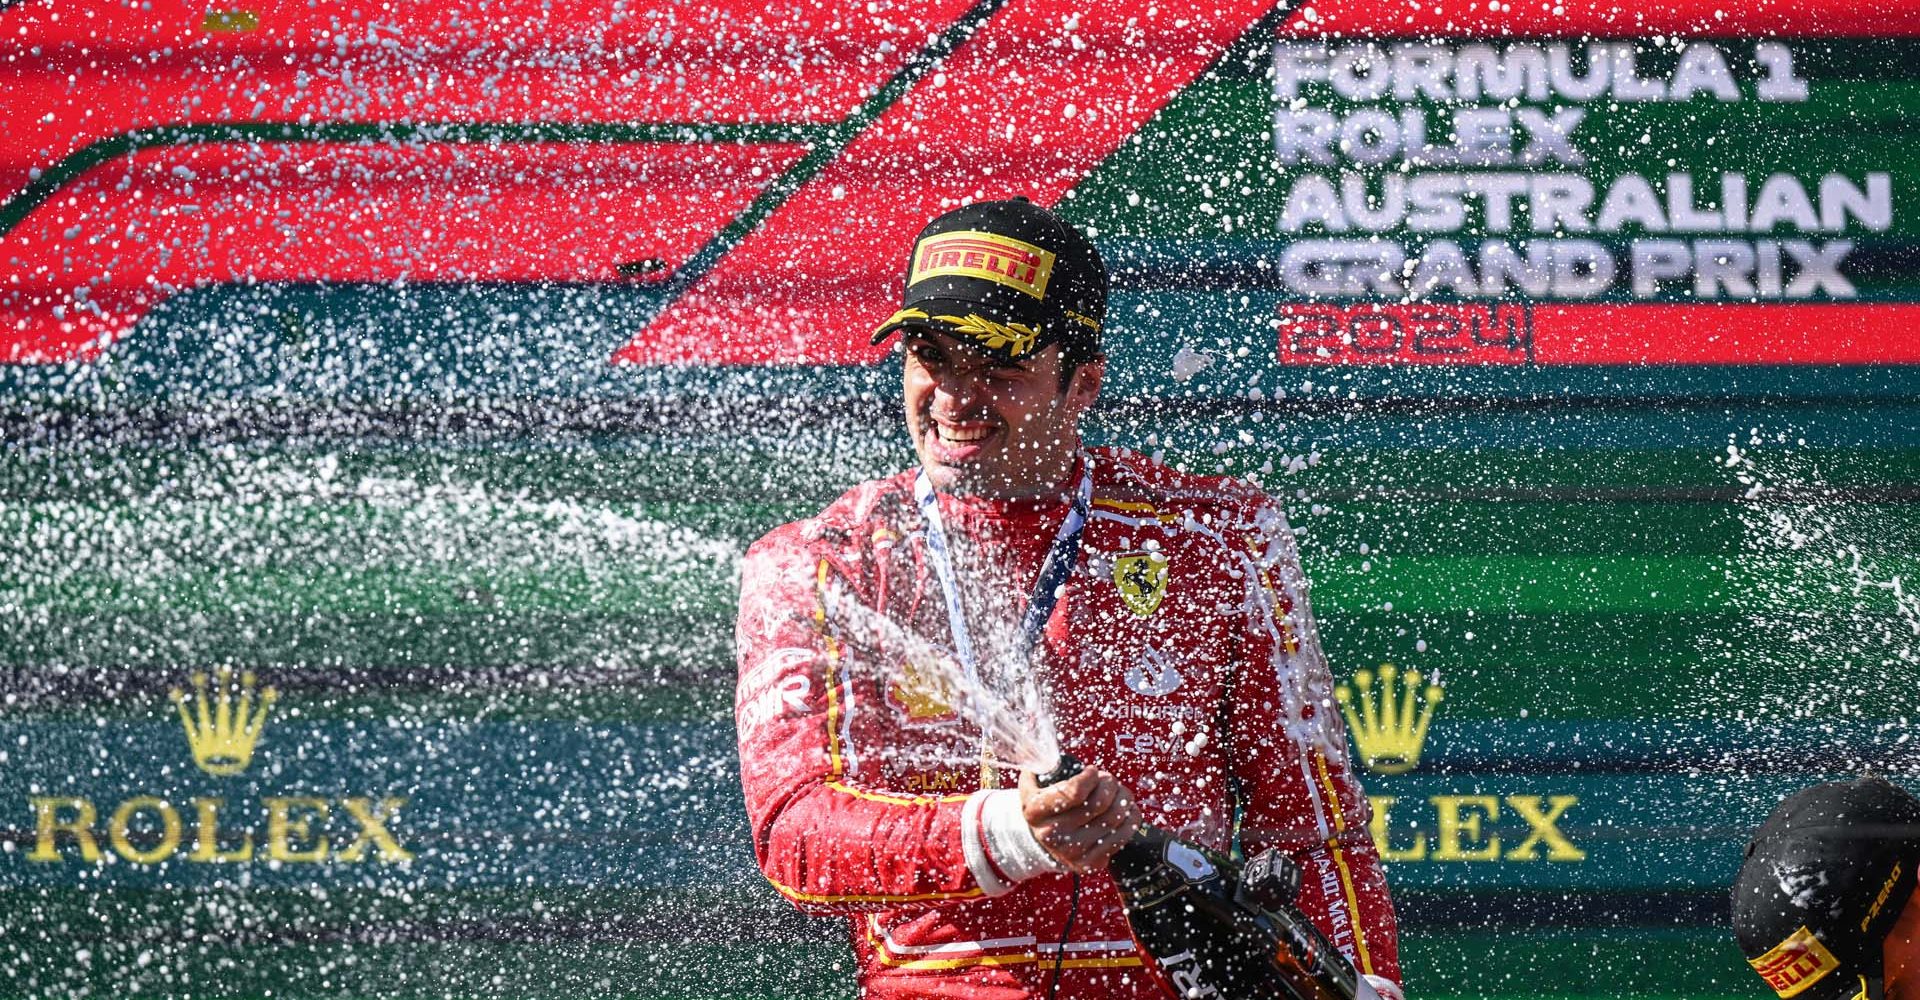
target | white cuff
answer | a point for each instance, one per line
(999, 845)
(1010, 841)
(972, 844)
(1386, 988)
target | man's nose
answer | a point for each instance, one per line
(962, 384)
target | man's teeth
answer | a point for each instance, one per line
(957, 435)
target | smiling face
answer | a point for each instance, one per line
(987, 427)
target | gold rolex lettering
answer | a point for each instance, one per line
(1544, 829)
(1461, 831)
(1460, 821)
(1382, 810)
(284, 828)
(47, 823)
(373, 830)
(120, 827)
(206, 845)
(147, 829)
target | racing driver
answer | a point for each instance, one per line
(1826, 905)
(1163, 615)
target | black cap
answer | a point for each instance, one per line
(1008, 276)
(1825, 877)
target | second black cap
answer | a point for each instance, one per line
(1824, 878)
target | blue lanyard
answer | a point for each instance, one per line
(1047, 587)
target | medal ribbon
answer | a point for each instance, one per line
(1061, 557)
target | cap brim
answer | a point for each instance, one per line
(963, 320)
(1840, 984)
(895, 323)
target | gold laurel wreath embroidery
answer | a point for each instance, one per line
(901, 317)
(1016, 338)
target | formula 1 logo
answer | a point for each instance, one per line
(770, 190)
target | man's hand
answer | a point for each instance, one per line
(1081, 821)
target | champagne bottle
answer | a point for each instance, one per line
(1219, 931)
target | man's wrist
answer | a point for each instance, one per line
(1007, 839)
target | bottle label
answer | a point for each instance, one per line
(1190, 862)
(1185, 972)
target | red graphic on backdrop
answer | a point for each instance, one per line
(229, 213)
(1598, 334)
(1097, 72)
(1478, 333)
(91, 256)
(407, 196)
(511, 141)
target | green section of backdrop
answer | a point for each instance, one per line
(1593, 583)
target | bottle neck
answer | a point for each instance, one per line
(1143, 854)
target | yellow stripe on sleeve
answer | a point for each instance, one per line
(1340, 862)
(888, 958)
(891, 799)
(835, 763)
(919, 897)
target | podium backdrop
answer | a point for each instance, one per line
(389, 395)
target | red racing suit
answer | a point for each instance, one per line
(1182, 658)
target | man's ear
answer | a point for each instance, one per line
(1084, 387)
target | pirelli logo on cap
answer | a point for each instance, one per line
(1795, 964)
(970, 254)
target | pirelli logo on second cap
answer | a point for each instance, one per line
(1795, 964)
(971, 254)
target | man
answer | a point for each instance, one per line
(1825, 904)
(1163, 615)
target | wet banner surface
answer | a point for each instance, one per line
(389, 399)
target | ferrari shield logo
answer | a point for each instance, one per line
(1141, 578)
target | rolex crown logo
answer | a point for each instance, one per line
(222, 731)
(1389, 720)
